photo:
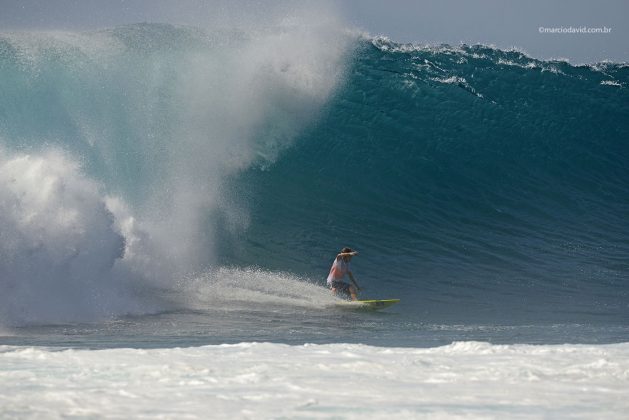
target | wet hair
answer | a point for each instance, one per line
(346, 250)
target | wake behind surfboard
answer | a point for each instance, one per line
(372, 304)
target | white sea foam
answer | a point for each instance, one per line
(529, 65)
(71, 253)
(461, 380)
(59, 242)
(452, 80)
(611, 83)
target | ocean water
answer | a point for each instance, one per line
(171, 199)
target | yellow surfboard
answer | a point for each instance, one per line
(372, 304)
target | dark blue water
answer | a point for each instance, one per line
(486, 189)
(501, 194)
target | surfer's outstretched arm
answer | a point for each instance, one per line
(348, 254)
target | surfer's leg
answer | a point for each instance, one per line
(352, 292)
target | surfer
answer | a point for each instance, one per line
(340, 267)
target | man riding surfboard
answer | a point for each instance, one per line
(340, 267)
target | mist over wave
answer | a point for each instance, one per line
(115, 148)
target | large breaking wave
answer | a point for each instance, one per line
(473, 180)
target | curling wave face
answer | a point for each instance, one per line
(478, 183)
